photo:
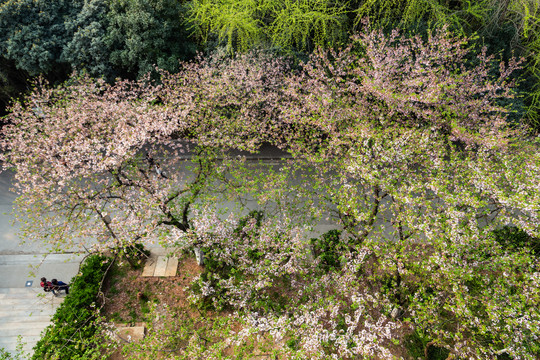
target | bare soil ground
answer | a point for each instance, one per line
(127, 294)
(129, 297)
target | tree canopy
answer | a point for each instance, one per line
(126, 39)
(108, 39)
(402, 144)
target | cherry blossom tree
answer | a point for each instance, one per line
(419, 183)
(420, 165)
(103, 162)
(408, 149)
(401, 142)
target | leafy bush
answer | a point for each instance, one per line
(327, 249)
(293, 343)
(105, 38)
(145, 33)
(214, 265)
(418, 345)
(515, 239)
(254, 254)
(72, 334)
(254, 214)
(34, 33)
(86, 47)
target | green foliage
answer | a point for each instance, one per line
(4, 355)
(232, 21)
(256, 215)
(305, 24)
(217, 299)
(93, 35)
(216, 270)
(416, 343)
(34, 34)
(73, 329)
(293, 343)
(214, 265)
(328, 249)
(144, 33)
(19, 353)
(87, 48)
(461, 16)
(515, 239)
(289, 24)
(106, 38)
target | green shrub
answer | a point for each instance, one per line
(213, 265)
(293, 343)
(144, 33)
(416, 343)
(258, 215)
(328, 249)
(514, 239)
(72, 334)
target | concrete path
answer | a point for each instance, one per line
(26, 310)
